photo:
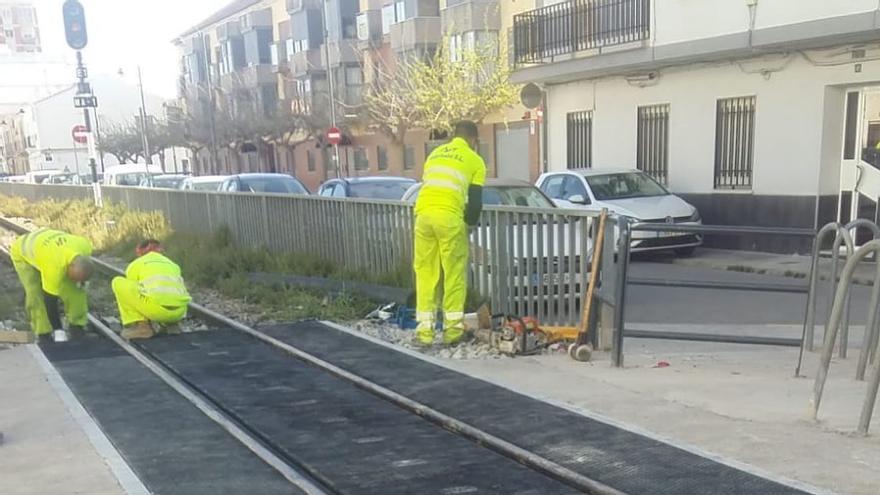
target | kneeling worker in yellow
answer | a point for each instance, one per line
(152, 291)
(52, 266)
(451, 198)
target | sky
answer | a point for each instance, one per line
(125, 33)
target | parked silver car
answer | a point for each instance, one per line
(631, 193)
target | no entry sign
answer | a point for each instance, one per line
(334, 136)
(80, 134)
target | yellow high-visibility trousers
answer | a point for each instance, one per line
(74, 299)
(135, 307)
(441, 243)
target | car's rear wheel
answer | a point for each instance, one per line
(685, 252)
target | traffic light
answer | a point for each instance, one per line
(75, 24)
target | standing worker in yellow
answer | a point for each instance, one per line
(449, 201)
(152, 291)
(53, 266)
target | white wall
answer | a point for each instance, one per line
(789, 133)
(779, 12)
(685, 20)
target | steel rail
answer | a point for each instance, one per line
(480, 437)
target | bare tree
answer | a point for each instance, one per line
(122, 140)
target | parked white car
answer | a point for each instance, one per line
(167, 181)
(202, 183)
(631, 193)
(130, 174)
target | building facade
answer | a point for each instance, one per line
(355, 43)
(19, 29)
(38, 136)
(763, 112)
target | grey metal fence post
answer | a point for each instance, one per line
(808, 334)
(620, 291)
(264, 207)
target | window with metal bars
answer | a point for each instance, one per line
(652, 141)
(734, 142)
(579, 134)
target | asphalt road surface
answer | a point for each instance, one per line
(667, 305)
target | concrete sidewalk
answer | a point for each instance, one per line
(784, 265)
(44, 449)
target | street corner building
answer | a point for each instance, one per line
(758, 113)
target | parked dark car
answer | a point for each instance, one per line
(263, 183)
(392, 188)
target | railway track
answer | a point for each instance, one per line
(311, 408)
(394, 444)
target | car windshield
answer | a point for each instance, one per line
(207, 185)
(167, 182)
(280, 185)
(526, 196)
(62, 179)
(131, 179)
(624, 185)
(386, 189)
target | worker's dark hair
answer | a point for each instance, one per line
(144, 244)
(147, 246)
(466, 129)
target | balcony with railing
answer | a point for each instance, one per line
(578, 25)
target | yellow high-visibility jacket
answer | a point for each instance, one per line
(159, 279)
(449, 171)
(51, 252)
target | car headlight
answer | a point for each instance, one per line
(695, 216)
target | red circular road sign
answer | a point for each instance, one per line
(80, 134)
(334, 135)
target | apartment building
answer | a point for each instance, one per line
(19, 30)
(355, 43)
(13, 147)
(760, 112)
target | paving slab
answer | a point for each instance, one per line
(44, 449)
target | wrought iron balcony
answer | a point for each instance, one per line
(578, 25)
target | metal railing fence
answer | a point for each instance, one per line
(624, 280)
(525, 261)
(577, 25)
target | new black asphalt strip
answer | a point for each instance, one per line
(348, 439)
(623, 460)
(171, 446)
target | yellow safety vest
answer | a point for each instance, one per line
(159, 279)
(449, 171)
(51, 252)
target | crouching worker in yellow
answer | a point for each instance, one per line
(53, 267)
(152, 291)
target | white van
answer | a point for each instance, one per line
(130, 174)
(40, 176)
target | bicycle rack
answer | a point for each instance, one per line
(841, 234)
(834, 322)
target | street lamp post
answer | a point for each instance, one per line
(330, 83)
(144, 131)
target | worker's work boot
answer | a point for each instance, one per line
(424, 336)
(76, 332)
(170, 329)
(138, 331)
(452, 336)
(45, 338)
